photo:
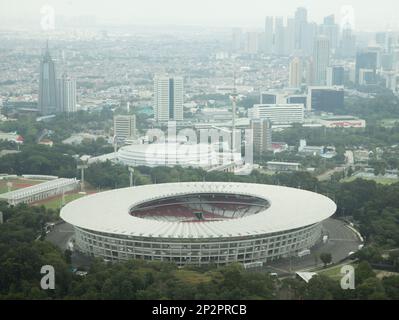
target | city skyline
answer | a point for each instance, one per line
(379, 16)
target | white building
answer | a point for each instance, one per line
(283, 166)
(168, 98)
(11, 136)
(66, 94)
(40, 191)
(278, 113)
(321, 59)
(124, 126)
(262, 135)
(295, 73)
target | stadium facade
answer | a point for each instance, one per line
(198, 222)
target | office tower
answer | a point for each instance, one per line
(124, 127)
(278, 113)
(268, 98)
(348, 44)
(268, 47)
(321, 59)
(66, 94)
(309, 71)
(335, 76)
(310, 32)
(330, 29)
(261, 42)
(279, 36)
(300, 27)
(47, 85)
(236, 41)
(330, 99)
(252, 42)
(297, 99)
(262, 135)
(272, 97)
(366, 67)
(295, 73)
(168, 98)
(381, 40)
(387, 61)
(289, 38)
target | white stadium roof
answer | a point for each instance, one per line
(108, 211)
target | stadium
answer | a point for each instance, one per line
(198, 222)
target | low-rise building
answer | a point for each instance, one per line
(40, 191)
(283, 166)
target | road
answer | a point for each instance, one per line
(342, 240)
(60, 235)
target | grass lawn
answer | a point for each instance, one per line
(192, 277)
(334, 272)
(17, 184)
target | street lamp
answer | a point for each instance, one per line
(131, 172)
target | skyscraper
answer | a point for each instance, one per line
(236, 41)
(289, 38)
(295, 73)
(366, 67)
(321, 59)
(279, 36)
(268, 35)
(168, 98)
(348, 44)
(66, 94)
(301, 20)
(47, 85)
(330, 29)
(252, 42)
(262, 135)
(335, 76)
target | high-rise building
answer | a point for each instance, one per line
(262, 135)
(268, 46)
(329, 99)
(309, 71)
(289, 38)
(168, 98)
(321, 59)
(366, 64)
(295, 73)
(335, 76)
(236, 41)
(330, 29)
(272, 97)
(124, 127)
(66, 94)
(301, 20)
(47, 85)
(252, 42)
(348, 44)
(279, 33)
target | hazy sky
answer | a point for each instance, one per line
(370, 15)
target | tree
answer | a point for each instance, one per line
(326, 258)
(363, 271)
